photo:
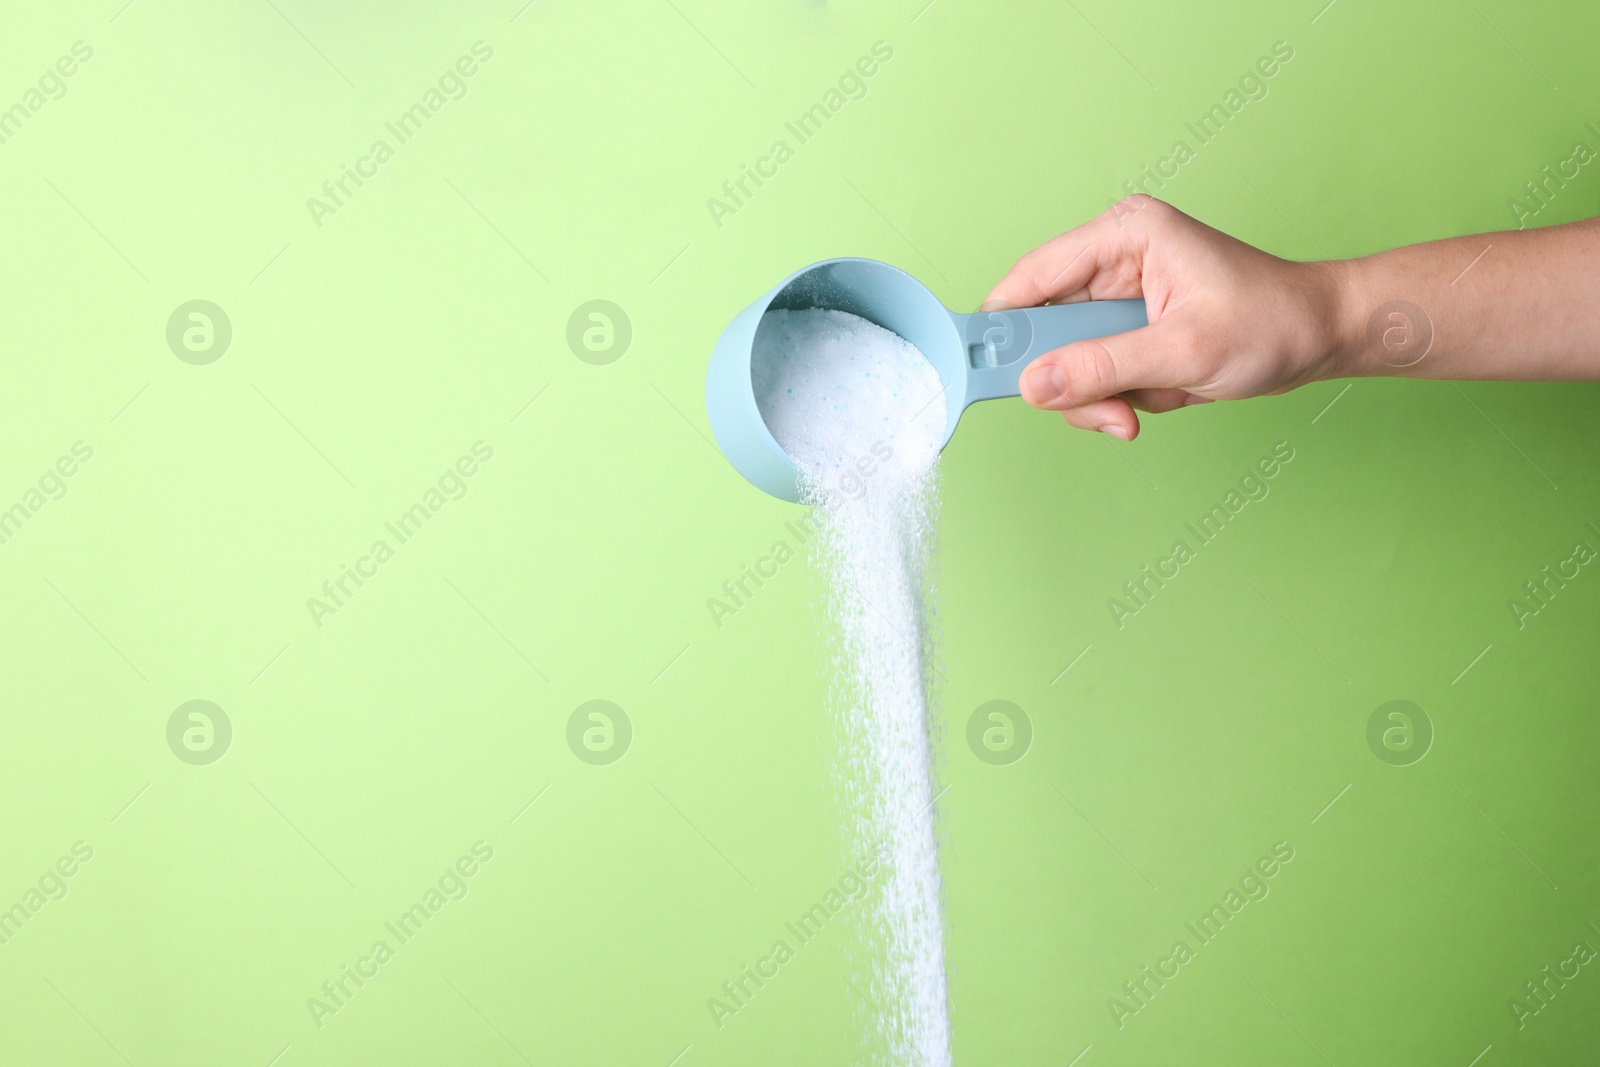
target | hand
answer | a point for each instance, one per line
(1227, 321)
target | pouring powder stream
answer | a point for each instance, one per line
(861, 412)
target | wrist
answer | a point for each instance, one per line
(1339, 320)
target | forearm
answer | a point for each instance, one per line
(1517, 305)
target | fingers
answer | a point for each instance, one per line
(1148, 362)
(1098, 384)
(1158, 401)
(1057, 271)
(1116, 415)
(1099, 258)
(1113, 416)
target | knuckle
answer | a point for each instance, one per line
(1024, 262)
(1027, 265)
(1142, 207)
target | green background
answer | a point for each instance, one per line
(369, 353)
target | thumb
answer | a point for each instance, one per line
(1085, 371)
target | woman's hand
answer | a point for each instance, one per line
(1227, 321)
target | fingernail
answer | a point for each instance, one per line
(1116, 431)
(996, 305)
(1191, 400)
(1044, 384)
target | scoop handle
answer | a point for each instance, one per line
(1000, 344)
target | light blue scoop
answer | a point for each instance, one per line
(978, 356)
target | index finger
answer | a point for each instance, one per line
(1096, 260)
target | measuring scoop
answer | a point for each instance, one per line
(978, 356)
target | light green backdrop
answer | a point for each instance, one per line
(429, 312)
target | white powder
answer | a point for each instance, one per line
(861, 412)
(842, 395)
